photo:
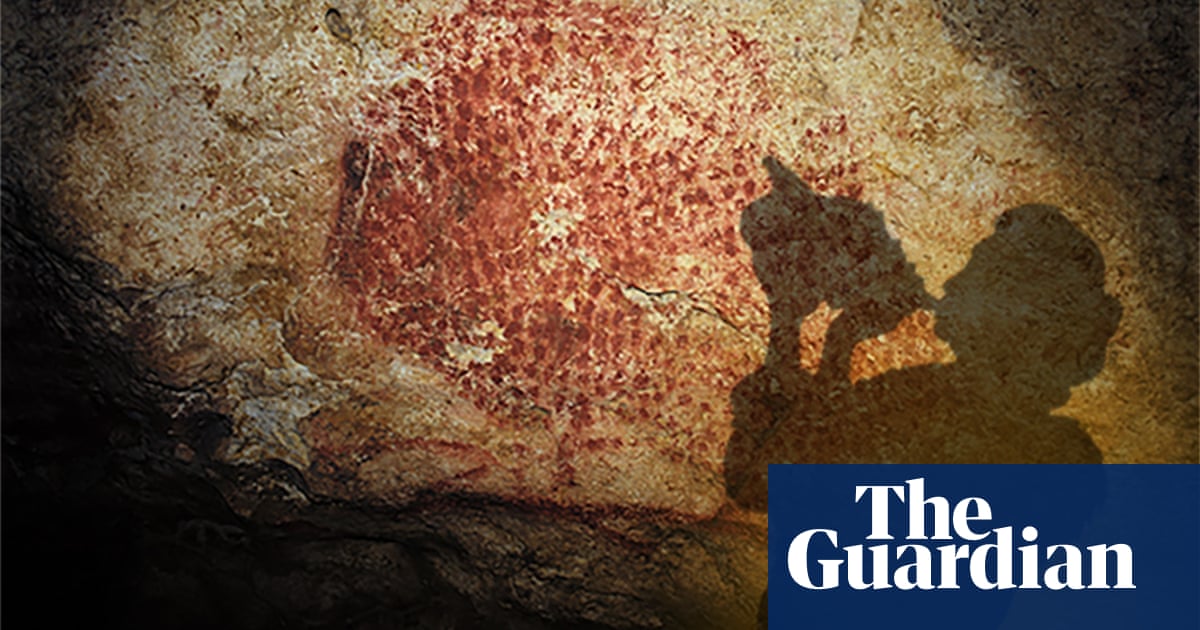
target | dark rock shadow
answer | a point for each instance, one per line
(1139, 90)
(1027, 319)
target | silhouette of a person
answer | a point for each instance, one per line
(1027, 319)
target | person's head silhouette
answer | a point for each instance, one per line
(1030, 308)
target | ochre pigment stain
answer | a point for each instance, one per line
(540, 214)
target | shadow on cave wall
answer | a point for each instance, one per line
(1113, 85)
(1027, 319)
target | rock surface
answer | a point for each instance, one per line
(518, 298)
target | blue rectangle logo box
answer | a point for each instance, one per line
(983, 546)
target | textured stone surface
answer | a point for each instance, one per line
(550, 283)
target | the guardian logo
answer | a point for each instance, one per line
(949, 546)
(988, 546)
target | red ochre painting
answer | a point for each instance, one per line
(545, 208)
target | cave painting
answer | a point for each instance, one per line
(501, 218)
(1027, 319)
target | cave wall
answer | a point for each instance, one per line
(534, 291)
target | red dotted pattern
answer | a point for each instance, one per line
(555, 155)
